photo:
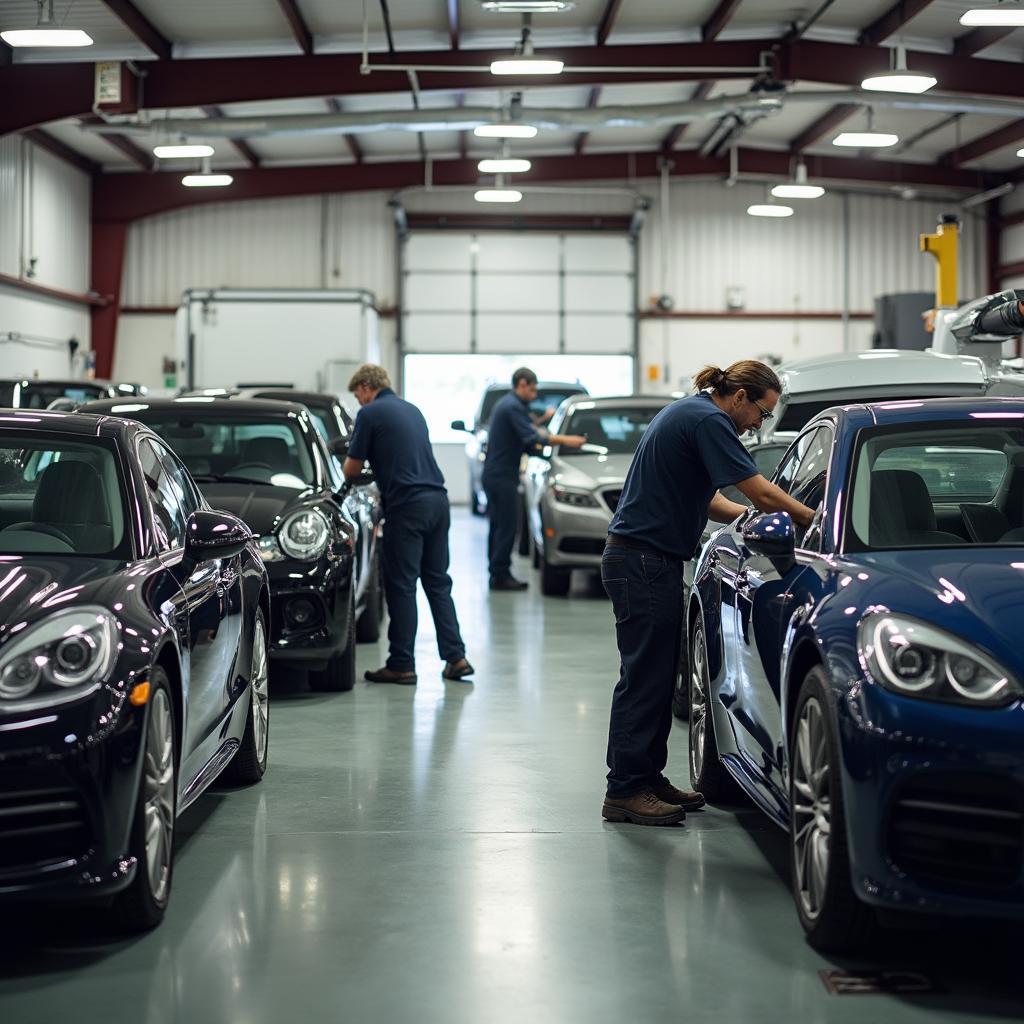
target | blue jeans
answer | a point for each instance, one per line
(416, 547)
(646, 591)
(503, 512)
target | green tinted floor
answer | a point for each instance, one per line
(436, 855)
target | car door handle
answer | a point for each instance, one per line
(226, 581)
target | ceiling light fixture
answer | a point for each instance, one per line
(525, 61)
(866, 140)
(47, 32)
(207, 180)
(497, 195)
(505, 131)
(503, 165)
(769, 210)
(898, 78)
(999, 16)
(182, 152)
(527, 6)
(798, 188)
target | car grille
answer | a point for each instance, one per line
(582, 545)
(611, 498)
(41, 824)
(967, 829)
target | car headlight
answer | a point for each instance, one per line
(576, 498)
(68, 654)
(918, 660)
(304, 535)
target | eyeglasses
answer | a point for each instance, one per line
(766, 414)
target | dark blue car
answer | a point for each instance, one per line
(862, 681)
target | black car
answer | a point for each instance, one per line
(33, 393)
(133, 664)
(266, 462)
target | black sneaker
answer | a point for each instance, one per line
(508, 583)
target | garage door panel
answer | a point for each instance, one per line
(609, 332)
(604, 292)
(518, 252)
(434, 250)
(535, 292)
(450, 292)
(598, 252)
(436, 332)
(521, 332)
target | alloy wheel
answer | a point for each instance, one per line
(159, 785)
(812, 808)
(698, 704)
(260, 690)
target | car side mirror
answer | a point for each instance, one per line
(772, 535)
(211, 534)
(460, 425)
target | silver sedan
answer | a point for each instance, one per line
(571, 494)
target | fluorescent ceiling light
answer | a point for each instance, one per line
(46, 37)
(899, 81)
(503, 165)
(505, 131)
(1000, 16)
(207, 180)
(181, 152)
(866, 140)
(796, 191)
(527, 6)
(770, 210)
(527, 64)
(497, 195)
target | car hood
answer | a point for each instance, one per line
(34, 587)
(259, 506)
(591, 470)
(975, 592)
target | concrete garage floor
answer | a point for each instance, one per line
(437, 855)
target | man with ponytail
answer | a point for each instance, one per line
(689, 452)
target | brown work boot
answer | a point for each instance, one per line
(642, 809)
(688, 799)
(389, 675)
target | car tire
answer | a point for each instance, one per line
(142, 905)
(681, 696)
(340, 674)
(554, 582)
(368, 624)
(250, 762)
(707, 773)
(833, 918)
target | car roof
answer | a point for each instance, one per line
(64, 382)
(846, 371)
(606, 401)
(284, 394)
(976, 410)
(236, 407)
(47, 420)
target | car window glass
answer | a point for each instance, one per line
(950, 474)
(766, 457)
(167, 495)
(808, 483)
(617, 431)
(788, 466)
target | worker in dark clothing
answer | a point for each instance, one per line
(690, 451)
(511, 433)
(392, 435)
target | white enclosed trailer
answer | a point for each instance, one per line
(308, 338)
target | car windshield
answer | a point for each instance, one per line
(938, 486)
(39, 394)
(60, 497)
(547, 398)
(615, 429)
(256, 449)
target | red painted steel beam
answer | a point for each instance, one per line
(296, 22)
(675, 133)
(60, 149)
(719, 18)
(141, 27)
(977, 40)
(604, 29)
(128, 197)
(140, 157)
(892, 21)
(828, 122)
(1001, 137)
(453, 23)
(107, 261)
(1010, 270)
(993, 245)
(240, 145)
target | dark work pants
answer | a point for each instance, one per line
(646, 590)
(503, 512)
(416, 547)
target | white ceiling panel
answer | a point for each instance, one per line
(225, 21)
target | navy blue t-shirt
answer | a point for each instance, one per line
(690, 450)
(511, 432)
(392, 434)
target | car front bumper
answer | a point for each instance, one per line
(934, 802)
(574, 537)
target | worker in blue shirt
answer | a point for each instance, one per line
(511, 433)
(392, 435)
(691, 449)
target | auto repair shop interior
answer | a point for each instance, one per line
(214, 215)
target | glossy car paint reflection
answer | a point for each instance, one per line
(193, 619)
(769, 622)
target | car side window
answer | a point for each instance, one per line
(808, 484)
(172, 496)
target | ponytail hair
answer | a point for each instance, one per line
(754, 377)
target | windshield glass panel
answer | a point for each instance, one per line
(259, 450)
(39, 394)
(616, 430)
(797, 413)
(60, 498)
(547, 398)
(938, 486)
